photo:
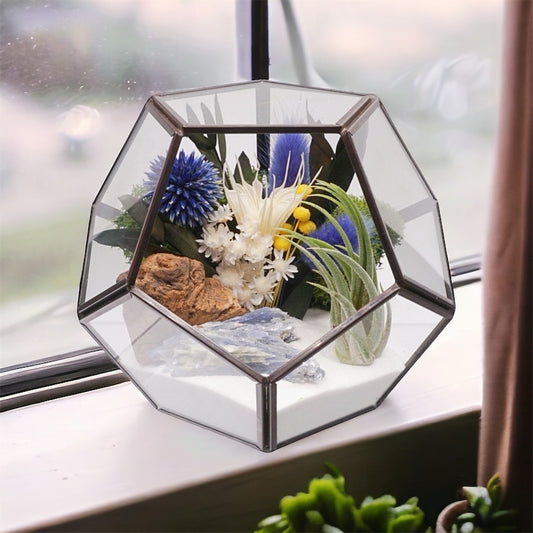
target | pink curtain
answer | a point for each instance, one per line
(506, 420)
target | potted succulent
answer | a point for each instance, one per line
(327, 508)
(479, 512)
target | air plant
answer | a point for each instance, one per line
(348, 275)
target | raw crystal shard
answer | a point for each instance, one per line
(260, 339)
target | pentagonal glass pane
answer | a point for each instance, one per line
(402, 195)
(348, 389)
(177, 372)
(120, 208)
(261, 103)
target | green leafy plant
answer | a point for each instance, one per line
(165, 236)
(484, 511)
(327, 508)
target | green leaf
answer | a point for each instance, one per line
(334, 471)
(325, 492)
(221, 138)
(406, 523)
(314, 521)
(208, 116)
(336, 507)
(375, 512)
(320, 156)
(184, 241)
(245, 167)
(342, 172)
(494, 488)
(192, 117)
(297, 296)
(204, 143)
(479, 501)
(295, 507)
(272, 524)
(326, 528)
(124, 238)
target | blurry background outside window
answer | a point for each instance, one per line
(74, 75)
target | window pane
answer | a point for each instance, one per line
(434, 65)
(74, 77)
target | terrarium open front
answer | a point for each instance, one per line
(255, 267)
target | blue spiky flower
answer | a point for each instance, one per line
(192, 192)
(329, 233)
(286, 159)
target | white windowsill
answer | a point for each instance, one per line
(102, 449)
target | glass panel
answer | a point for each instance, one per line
(119, 210)
(421, 251)
(348, 389)
(265, 103)
(405, 203)
(178, 373)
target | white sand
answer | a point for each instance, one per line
(229, 402)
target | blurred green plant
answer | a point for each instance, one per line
(484, 510)
(326, 508)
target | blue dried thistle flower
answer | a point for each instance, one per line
(327, 232)
(288, 147)
(192, 192)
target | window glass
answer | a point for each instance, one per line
(75, 75)
(434, 65)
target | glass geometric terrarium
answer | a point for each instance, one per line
(264, 259)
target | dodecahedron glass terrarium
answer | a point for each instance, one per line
(265, 259)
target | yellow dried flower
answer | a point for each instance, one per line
(304, 189)
(302, 214)
(307, 227)
(281, 243)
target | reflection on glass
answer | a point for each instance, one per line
(261, 104)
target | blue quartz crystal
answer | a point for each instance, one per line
(260, 339)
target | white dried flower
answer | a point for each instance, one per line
(258, 249)
(281, 267)
(256, 211)
(236, 248)
(215, 239)
(222, 215)
(229, 275)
